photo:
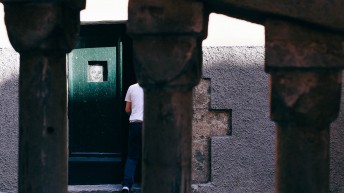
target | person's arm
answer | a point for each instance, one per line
(128, 107)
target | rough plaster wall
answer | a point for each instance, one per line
(243, 162)
(337, 150)
(9, 70)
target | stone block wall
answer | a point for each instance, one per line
(205, 124)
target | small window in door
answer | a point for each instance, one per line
(97, 71)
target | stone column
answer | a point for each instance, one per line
(167, 36)
(42, 32)
(305, 95)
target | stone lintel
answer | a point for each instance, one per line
(80, 4)
(319, 12)
(168, 61)
(293, 45)
(157, 17)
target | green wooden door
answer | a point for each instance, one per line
(95, 144)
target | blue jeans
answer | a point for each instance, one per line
(134, 153)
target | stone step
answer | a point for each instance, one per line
(104, 188)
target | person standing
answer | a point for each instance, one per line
(134, 107)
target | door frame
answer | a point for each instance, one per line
(89, 30)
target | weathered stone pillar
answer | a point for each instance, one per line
(167, 39)
(42, 32)
(305, 95)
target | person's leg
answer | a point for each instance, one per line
(134, 154)
(129, 171)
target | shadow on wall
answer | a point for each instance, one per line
(9, 134)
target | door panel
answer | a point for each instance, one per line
(94, 110)
(95, 145)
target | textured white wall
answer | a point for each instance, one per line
(227, 31)
(244, 161)
(9, 70)
(4, 42)
(105, 10)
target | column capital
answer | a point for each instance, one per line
(42, 25)
(166, 17)
(168, 61)
(167, 41)
(305, 98)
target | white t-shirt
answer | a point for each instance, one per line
(135, 96)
